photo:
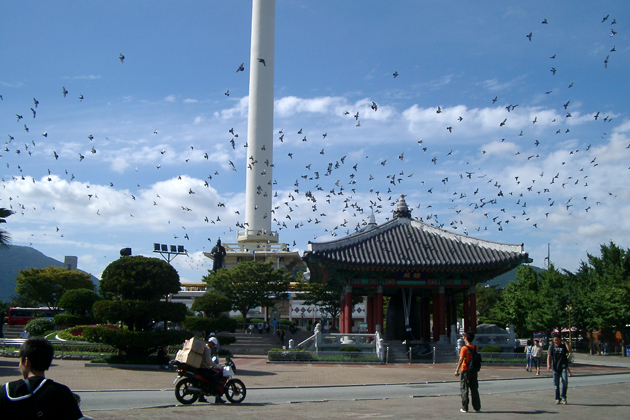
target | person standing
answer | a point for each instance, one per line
(35, 396)
(558, 360)
(536, 354)
(468, 379)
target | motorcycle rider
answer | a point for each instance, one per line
(207, 372)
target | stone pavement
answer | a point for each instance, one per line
(257, 373)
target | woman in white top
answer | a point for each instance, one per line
(536, 355)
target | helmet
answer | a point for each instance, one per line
(213, 340)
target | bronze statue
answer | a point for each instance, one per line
(218, 255)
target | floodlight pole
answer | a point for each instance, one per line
(169, 256)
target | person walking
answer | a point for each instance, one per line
(536, 354)
(558, 360)
(528, 356)
(468, 379)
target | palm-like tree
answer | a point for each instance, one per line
(5, 238)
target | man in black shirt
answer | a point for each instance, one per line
(36, 397)
(558, 360)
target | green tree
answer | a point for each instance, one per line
(47, 285)
(140, 278)
(549, 304)
(5, 238)
(249, 284)
(519, 299)
(212, 304)
(78, 301)
(488, 298)
(139, 315)
(325, 295)
(604, 296)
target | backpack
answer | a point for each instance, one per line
(475, 360)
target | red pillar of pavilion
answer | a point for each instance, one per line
(473, 310)
(436, 316)
(378, 308)
(442, 311)
(454, 309)
(342, 314)
(348, 309)
(466, 311)
(426, 318)
(370, 315)
(449, 314)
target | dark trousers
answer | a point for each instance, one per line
(469, 382)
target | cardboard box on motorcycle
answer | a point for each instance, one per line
(190, 358)
(192, 352)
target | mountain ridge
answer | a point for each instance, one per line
(16, 258)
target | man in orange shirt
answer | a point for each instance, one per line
(468, 379)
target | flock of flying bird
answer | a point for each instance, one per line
(348, 189)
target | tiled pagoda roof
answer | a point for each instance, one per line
(406, 244)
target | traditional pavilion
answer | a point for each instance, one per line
(425, 270)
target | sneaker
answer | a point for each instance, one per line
(564, 401)
(538, 374)
(461, 410)
(557, 402)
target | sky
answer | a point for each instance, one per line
(506, 121)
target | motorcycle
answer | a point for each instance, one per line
(191, 385)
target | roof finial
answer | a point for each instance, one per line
(402, 210)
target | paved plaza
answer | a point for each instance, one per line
(584, 402)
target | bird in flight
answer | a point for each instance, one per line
(262, 60)
(606, 61)
(121, 58)
(529, 36)
(64, 91)
(545, 21)
(395, 74)
(241, 67)
(374, 106)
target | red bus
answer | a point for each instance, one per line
(21, 316)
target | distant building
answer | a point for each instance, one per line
(71, 262)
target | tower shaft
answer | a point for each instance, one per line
(258, 194)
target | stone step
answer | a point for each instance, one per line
(12, 331)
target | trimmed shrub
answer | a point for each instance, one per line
(491, 349)
(350, 349)
(136, 345)
(39, 326)
(67, 319)
(138, 314)
(226, 340)
(78, 301)
(76, 333)
(294, 354)
(212, 304)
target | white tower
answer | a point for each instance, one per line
(258, 195)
